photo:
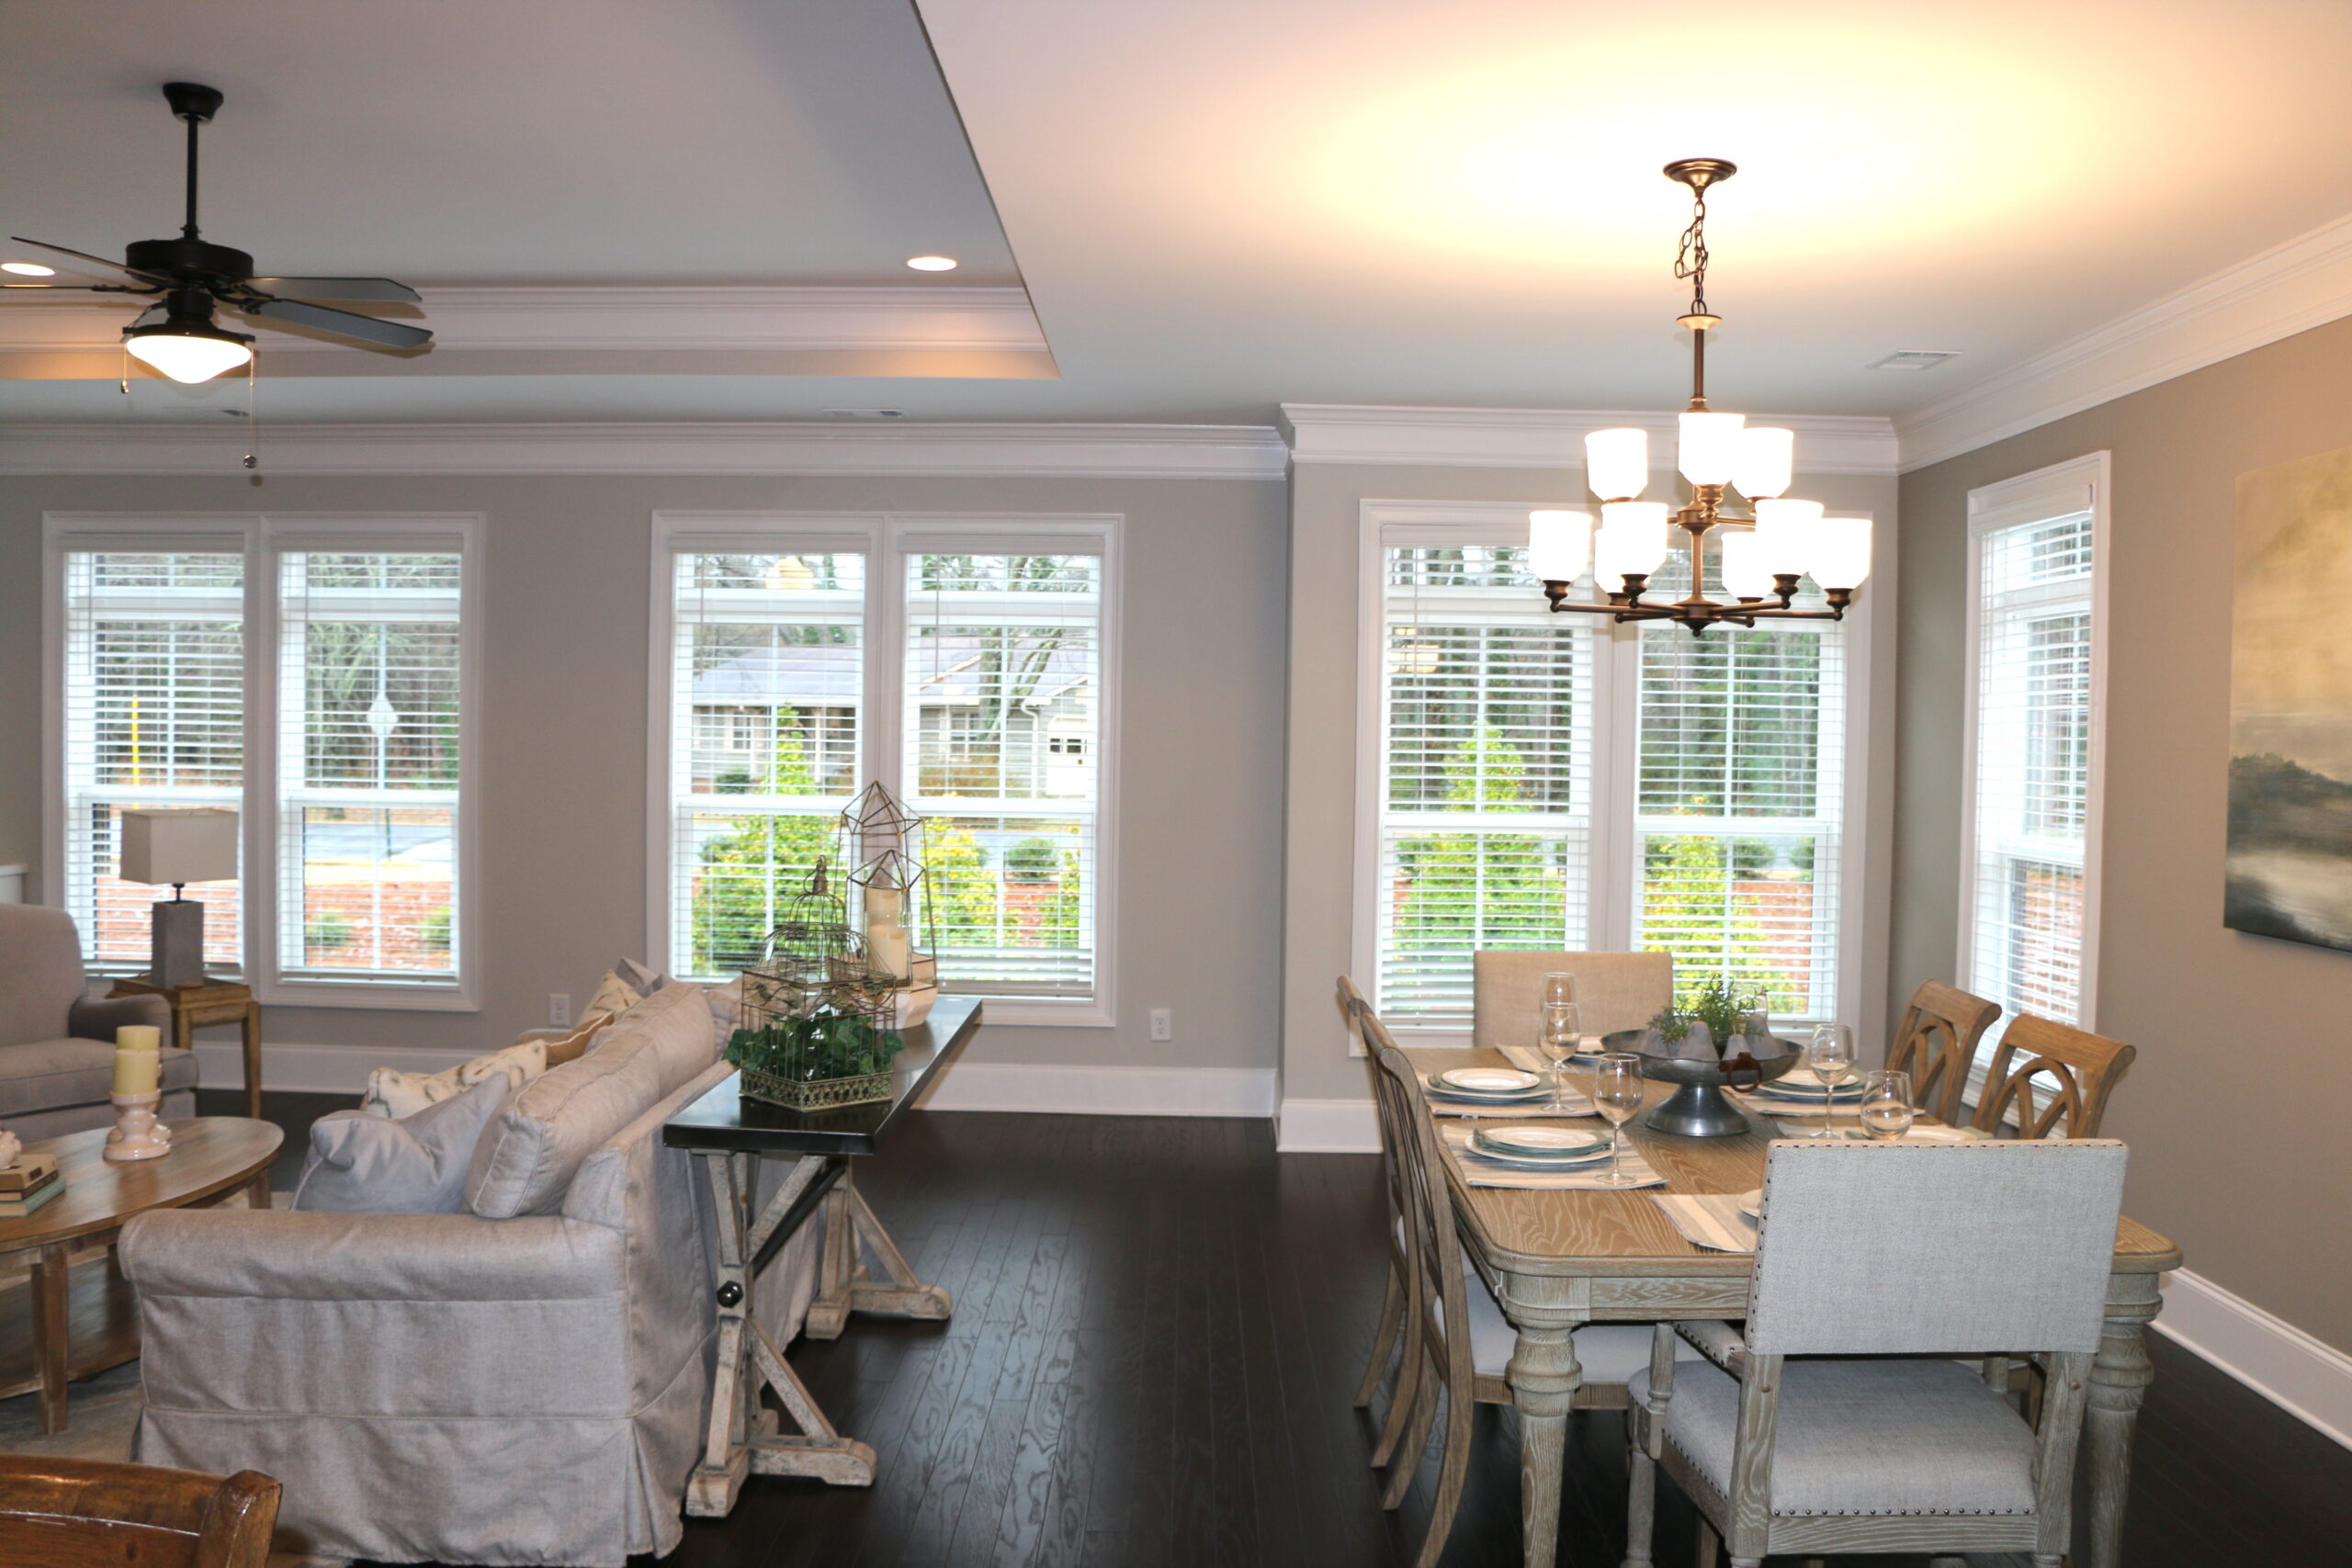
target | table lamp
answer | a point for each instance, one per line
(179, 845)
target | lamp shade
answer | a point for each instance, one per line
(1745, 575)
(1558, 544)
(1617, 463)
(188, 351)
(1632, 542)
(1841, 552)
(1766, 461)
(181, 844)
(1708, 447)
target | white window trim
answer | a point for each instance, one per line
(262, 538)
(887, 537)
(2079, 484)
(1616, 677)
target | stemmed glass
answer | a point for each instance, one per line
(1885, 1110)
(1559, 987)
(1562, 1022)
(1831, 1057)
(1617, 1094)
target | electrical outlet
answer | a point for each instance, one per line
(1163, 1024)
(559, 1009)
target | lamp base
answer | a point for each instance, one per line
(177, 957)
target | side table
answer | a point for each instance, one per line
(206, 1002)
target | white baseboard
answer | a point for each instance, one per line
(315, 1070)
(2307, 1378)
(1327, 1127)
(1104, 1091)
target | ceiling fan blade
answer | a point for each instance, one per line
(152, 316)
(84, 255)
(344, 323)
(82, 287)
(382, 289)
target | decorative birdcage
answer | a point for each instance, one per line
(812, 1030)
(882, 841)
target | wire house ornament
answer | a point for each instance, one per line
(882, 843)
(812, 1028)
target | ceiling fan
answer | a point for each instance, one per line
(190, 277)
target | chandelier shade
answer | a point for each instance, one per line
(1617, 463)
(1559, 544)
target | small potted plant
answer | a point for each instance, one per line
(1705, 1024)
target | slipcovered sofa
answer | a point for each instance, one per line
(523, 1382)
(57, 1045)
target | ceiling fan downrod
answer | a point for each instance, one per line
(197, 104)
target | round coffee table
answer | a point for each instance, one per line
(81, 1328)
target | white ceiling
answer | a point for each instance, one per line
(1218, 205)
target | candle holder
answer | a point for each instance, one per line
(137, 1134)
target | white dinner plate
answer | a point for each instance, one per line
(1523, 1162)
(1555, 1143)
(1488, 1083)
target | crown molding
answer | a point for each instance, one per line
(1066, 451)
(1545, 438)
(729, 320)
(2293, 288)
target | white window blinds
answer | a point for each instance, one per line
(2032, 745)
(154, 711)
(1002, 720)
(1485, 788)
(767, 688)
(368, 690)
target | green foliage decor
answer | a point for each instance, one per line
(815, 1047)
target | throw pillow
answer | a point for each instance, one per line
(726, 1004)
(415, 1165)
(613, 995)
(571, 1047)
(393, 1093)
(643, 978)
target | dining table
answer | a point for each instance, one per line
(1557, 1258)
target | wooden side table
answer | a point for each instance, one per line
(206, 1002)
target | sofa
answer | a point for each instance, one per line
(525, 1382)
(56, 1044)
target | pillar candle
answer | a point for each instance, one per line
(886, 932)
(138, 1059)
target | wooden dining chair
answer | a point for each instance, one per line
(1456, 1341)
(1614, 990)
(2050, 1080)
(1399, 1300)
(93, 1514)
(1834, 1420)
(1936, 1045)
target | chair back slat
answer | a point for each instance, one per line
(2054, 1078)
(1435, 1251)
(1934, 1249)
(1354, 1010)
(1936, 1045)
(1614, 991)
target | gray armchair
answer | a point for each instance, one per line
(57, 1045)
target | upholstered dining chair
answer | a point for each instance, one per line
(1936, 1045)
(1834, 1420)
(1614, 991)
(1455, 1340)
(2050, 1080)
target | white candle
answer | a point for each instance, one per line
(138, 1058)
(887, 941)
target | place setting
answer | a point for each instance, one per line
(1554, 1156)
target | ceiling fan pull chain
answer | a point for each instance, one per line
(253, 412)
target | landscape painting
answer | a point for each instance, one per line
(2290, 705)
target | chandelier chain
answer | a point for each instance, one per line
(1690, 256)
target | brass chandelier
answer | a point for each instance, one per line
(1762, 555)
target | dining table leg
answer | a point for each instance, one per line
(2120, 1377)
(1543, 1378)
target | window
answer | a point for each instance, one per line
(308, 672)
(2032, 747)
(1556, 781)
(966, 664)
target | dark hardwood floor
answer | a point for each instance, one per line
(1158, 1325)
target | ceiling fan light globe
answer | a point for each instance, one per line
(187, 354)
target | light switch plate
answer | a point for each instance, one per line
(1163, 1023)
(559, 1009)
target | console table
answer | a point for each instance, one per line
(861, 1268)
(205, 1002)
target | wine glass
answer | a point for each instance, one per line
(1562, 1022)
(1617, 1094)
(1885, 1109)
(1831, 1057)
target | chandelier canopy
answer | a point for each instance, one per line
(1761, 555)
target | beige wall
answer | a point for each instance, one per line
(2236, 1033)
(564, 683)
(1319, 888)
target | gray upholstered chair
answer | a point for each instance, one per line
(1614, 990)
(56, 1045)
(1456, 1341)
(1834, 1421)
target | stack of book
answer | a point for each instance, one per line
(25, 1186)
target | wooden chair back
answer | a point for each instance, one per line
(2054, 1078)
(1435, 1253)
(1936, 1045)
(1614, 990)
(1355, 1009)
(91, 1514)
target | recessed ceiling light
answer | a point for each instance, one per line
(932, 264)
(1914, 359)
(29, 269)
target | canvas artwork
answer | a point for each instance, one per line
(2290, 705)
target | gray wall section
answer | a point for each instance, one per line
(564, 692)
(2234, 1108)
(1318, 881)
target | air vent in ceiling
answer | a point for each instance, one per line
(1914, 359)
(865, 413)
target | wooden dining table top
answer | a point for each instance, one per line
(1587, 1232)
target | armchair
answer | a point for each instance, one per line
(56, 1045)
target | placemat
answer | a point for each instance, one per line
(1709, 1220)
